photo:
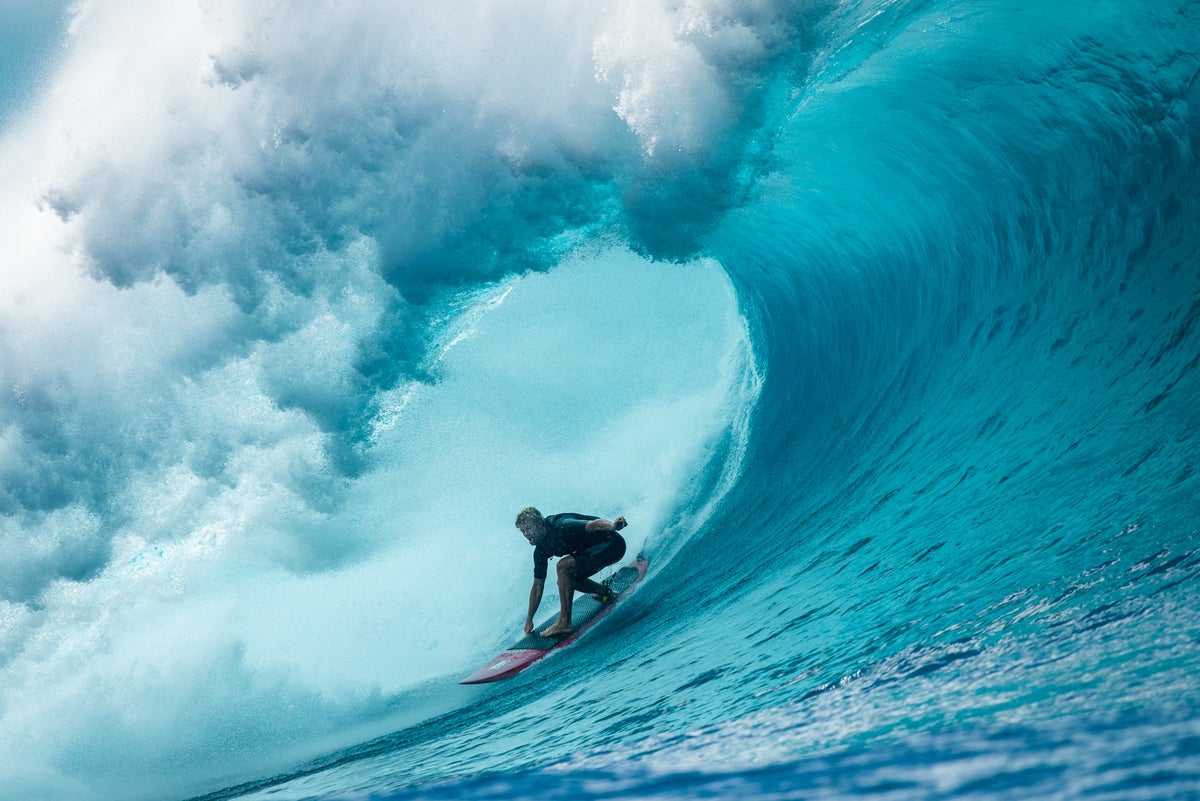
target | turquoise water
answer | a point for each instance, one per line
(877, 320)
(29, 37)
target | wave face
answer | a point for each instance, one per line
(879, 321)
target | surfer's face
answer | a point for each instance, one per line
(532, 532)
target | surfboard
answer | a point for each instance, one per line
(586, 612)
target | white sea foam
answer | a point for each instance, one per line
(248, 491)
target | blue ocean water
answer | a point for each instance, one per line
(29, 35)
(878, 320)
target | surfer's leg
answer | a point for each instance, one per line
(600, 592)
(566, 595)
(592, 560)
(590, 587)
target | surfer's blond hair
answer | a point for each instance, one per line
(528, 515)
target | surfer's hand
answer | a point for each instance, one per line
(529, 627)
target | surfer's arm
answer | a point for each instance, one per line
(535, 600)
(606, 525)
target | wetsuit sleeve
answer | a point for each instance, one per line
(570, 524)
(540, 560)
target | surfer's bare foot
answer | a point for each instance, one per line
(608, 597)
(556, 630)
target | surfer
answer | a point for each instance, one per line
(585, 543)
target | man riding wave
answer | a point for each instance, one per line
(586, 544)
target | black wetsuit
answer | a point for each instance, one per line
(567, 534)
